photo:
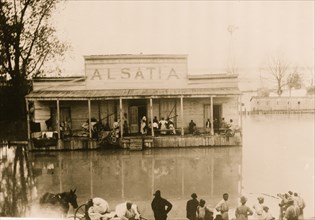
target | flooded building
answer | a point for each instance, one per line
(283, 104)
(117, 91)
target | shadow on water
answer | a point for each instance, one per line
(17, 181)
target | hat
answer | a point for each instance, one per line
(243, 199)
(260, 198)
(194, 195)
(157, 193)
(265, 208)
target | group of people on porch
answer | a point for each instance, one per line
(159, 126)
(167, 126)
(227, 128)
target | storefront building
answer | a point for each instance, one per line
(124, 88)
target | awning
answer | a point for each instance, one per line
(130, 93)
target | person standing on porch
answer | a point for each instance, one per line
(208, 125)
(163, 126)
(223, 123)
(126, 128)
(143, 125)
(116, 127)
(192, 127)
(171, 126)
(223, 207)
(155, 124)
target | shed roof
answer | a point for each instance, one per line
(130, 93)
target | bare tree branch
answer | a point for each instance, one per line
(278, 68)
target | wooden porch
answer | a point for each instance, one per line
(139, 142)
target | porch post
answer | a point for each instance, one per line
(182, 113)
(240, 119)
(58, 118)
(89, 110)
(211, 115)
(151, 116)
(120, 118)
(28, 121)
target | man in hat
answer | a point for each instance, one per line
(291, 212)
(223, 207)
(243, 211)
(191, 207)
(160, 206)
(283, 204)
(267, 214)
(259, 208)
(301, 204)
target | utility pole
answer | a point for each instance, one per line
(231, 59)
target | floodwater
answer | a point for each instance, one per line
(277, 155)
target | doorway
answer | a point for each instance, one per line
(137, 109)
(217, 113)
(64, 120)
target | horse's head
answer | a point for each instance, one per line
(72, 198)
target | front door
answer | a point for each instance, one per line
(133, 119)
(217, 114)
(65, 118)
(137, 109)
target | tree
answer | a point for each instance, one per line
(27, 42)
(294, 80)
(278, 68)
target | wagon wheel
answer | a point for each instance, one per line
(80, 213)
(113, 139)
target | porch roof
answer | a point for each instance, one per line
(130, 93)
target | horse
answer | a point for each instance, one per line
(59, 202)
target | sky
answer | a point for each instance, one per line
(262, 29)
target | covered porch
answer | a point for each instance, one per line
(70, 109)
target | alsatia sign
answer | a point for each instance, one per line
(135, 72)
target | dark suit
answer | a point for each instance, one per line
(160, 207)
(191, 209)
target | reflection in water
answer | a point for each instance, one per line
(17, 182)
(123, 175)
(277, 156)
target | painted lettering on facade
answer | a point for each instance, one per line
(140, 73)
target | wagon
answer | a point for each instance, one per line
(81, 213)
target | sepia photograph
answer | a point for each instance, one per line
(157, 110)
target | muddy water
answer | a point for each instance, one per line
(277, 155)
